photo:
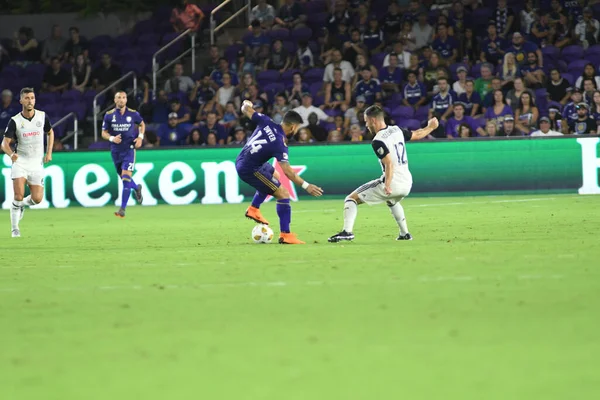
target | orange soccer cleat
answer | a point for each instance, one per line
(289, 238)
(254, 214)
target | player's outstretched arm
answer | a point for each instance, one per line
(310, 188)
(432, 125)
(247, 109)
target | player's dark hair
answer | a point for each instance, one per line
(292, 118)
(26, 90)
(374, 112)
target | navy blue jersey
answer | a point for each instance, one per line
(395, 76)
(368, 89)
(440, 104)
(521, 52)
(570, 112)
(470, 101)
(267, 141)
(122, 124)
(445, 47)
(413, 94)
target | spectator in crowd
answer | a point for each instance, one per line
(483, 84)
(257, 44)
(212, 140)
(459, 19)
(589, 72)
(562, 33)
(339, 15)
(470, 99)
(318, 132)
(595, 106)
(243, 89)
(212, 126)
(499, 110)
(570, 110)
(361, 63)
(392, 22)
(217, 75)
(201, 91)
(241, 66)
(520, 48)
(422, 31)
(354, 115)
(469, 47)
(505, 18)
(160, 110)
(414, 92)
(545, 129)
(508, 127)
(338, 124)
(239, 137)
(527, 17)
(401, 53)
(278, 58)
(172, 133)
(183, 112)
(214, 57)
(414, 67)
(263, 13)
(186, 16)
(406, 36)
(225, 92)
(556, 10)
(430, 72)
(442, 19)
(179, 82)
(304, 56)
(7, 109)
(151, 140)
(25, 46)
(75, 46)
(459, 86)
(355, 134)
(442, 104)
(557, 122)
(210, 105)
(588, 90)
(558, 88)
(459, 119)
(230, 116)
(513, 95)
(80, 74)
(526, 114)
(583, 124)
(488, 100)
(465, 131)
(335, 136)
(280, 107)
(587, 30)
(391, 76)
(304, 136)
(55, 79)
(372, 37)
(54, 46)
(361, 19)
(290, 16)
(307, 108)
(445, 45)
(194, 138)
(541, 32)
(354, 46)
(532, 72)
(492, 46)
(106, 74)
(326, 43)
(367, 87)
(337, 93)
(338, 62)
(294, 93)
(509, 72)
(491, 129)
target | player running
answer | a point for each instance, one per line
(119, 128)
(26, 130)
(267, 141)
(396, 181)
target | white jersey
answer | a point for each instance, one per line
(391, 140)
(29, 137)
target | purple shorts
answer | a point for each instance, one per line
(124, 160)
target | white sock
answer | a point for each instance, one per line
(350, 211)
(28, 202)
(398, 213)
(15, 213)
(19, 203)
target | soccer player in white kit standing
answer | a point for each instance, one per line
(396, 182)
(26, 130)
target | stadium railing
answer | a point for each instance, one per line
(213, 23)
(96, 107)
(155, 65)
(70, 135)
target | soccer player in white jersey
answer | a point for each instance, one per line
(396, 181)
(26, 130)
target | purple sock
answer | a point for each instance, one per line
(258, 199)
(132, 184)
(126, 191)
(284, 211)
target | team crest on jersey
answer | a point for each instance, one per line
(128, 119)
(114, 119)
(38, 124)
(581, 127)
(380, 151)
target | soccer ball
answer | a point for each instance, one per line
(262, 234)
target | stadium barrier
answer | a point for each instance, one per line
(208, 176)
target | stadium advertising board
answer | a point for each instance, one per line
(208, 176)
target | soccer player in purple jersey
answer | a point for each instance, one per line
(119, 128)
(252, 164)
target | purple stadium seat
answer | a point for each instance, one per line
(569, 77)
(594, 58)
(287, 76)
(101, 145)
(12, 70)
(137, 66)
(126, 39)
(54, 109)
(78, 108)
(290, 47)
(169, 37)
(377, 60)
(422, 113)
(318, 21)
(412, 124)
(394, 100)
(268, 76)
(272, 89)
(402, 112)
(573, 52)
(231, 52)
(48, 97)
(144, 27)
(314, 75)
(551, 53)
(315, 88)
(318, 100)
(541, 98)
(300, 34)
(314, 7)
(595, 49)
(148, 39)
(71, 95)
(281, 34)
(576, 67)
(101, 41)
(333, 112)
(314, 47)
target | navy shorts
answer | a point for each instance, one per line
(124, 160)
(261, 179)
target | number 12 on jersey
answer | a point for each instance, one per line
(401, 153)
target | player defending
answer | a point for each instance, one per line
(119, 128)
(396, 182)
(26, 130)
(268, 141)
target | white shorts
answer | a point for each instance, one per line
(33, 174)
(373, 192)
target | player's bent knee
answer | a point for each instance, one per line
(276, 175)
(281, 193)
(18, 197)
(353, 197)
(37, 199)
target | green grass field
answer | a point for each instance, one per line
(496, 298)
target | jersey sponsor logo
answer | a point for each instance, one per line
(29, 134)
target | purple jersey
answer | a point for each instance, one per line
(122, 124)
(267, 141)
(453, 124)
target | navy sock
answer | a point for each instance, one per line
(126, 190)
(284, 211)
(258, 199)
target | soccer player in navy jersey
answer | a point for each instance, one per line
(269, 141)
(119, 128)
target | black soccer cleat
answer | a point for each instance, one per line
(120, 213)
(343, 235)
(138, 194)
(408, 236)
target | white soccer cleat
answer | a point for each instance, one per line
(16, 233)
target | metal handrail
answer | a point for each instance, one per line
(75, 128)
(214, 29)
(192, 49)
(106, 89)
